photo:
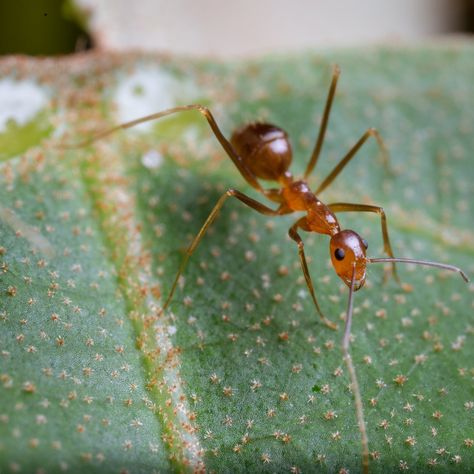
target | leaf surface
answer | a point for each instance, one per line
(239, 375)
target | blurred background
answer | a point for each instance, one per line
(224, 29)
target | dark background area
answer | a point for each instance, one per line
(54, 27)
(42, 27)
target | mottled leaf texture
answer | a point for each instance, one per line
(238, 375)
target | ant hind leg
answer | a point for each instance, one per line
(226, 145)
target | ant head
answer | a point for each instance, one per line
(348, 250)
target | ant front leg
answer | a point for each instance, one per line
(261, 208)
(301, 223)
(349, 207)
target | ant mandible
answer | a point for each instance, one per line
(262, 151)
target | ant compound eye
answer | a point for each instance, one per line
(339, 254)
(366, 244)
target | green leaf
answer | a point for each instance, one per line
(239, 375)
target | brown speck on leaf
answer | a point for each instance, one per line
(456, 459)
(421, 358)
(278, 298)
(283, 270)
(325, 389)
(330, 415)
(271, 412)
(228, 391)
(438, 346)
(297, 368)
(329, 345)
(303, 419)
(403, 465)
(321, 458)
(29, 387)
(33, 443)
(400, 380)
(384, 424)
(338, 372)
(225, 276)
(214, 378)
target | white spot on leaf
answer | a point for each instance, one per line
(152, 159)
(20, 101)
(148, 91)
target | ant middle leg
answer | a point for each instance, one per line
(301, 223)
(371, 132)
(349, 207)
(259, 207)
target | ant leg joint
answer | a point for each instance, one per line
(203, 109)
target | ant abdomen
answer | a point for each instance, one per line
(264, 148)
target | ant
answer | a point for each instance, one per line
(262, 151)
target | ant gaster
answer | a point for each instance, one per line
(262, 151)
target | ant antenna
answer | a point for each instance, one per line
(346, 344)
(353, 376)
(444, 266)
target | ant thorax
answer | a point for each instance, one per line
(299, 197)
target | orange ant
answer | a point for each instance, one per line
(262, 151)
